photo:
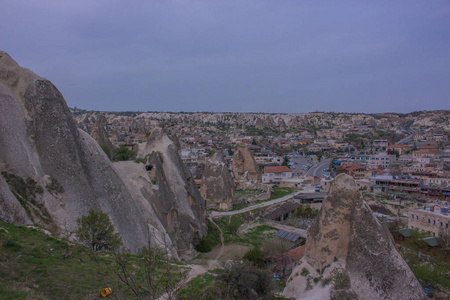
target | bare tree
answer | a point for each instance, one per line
(67, 234)
(276, 248)
(143, 279)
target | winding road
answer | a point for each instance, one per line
(216, 214)
(317, 170)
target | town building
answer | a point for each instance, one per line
(380, 143)
(400, 149)
(434, 219)
(276, 174)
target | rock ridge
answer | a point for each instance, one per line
(348, 246)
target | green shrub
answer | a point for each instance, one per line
(305, 211)
(256, 256)
(234, 223)
(209, 241)
(123, 153)
(26, 189)
(341, 280)
(97, 231)
(242, 281)
(106, 149)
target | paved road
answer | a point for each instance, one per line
(410, 131)
(300, 232)
(216, 214)
(317, 170)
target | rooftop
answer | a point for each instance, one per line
(406, 232)
(287, 235)
(276, 169)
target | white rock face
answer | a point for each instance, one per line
(245, 169)
(178, 203)
(348, 246)
(52, 173)
(217, 184)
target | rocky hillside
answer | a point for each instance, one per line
(52, 172)
(140, 122)
(350, 254)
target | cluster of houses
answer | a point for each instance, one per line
(418, 166)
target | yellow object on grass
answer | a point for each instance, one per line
(106, 292)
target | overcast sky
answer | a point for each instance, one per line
(239, 56)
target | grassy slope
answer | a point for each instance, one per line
(32, 265)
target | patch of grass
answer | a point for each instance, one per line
(341, 280)
(12, 245)
(230, 225)
(212, 239)
(280, 192)
(195, 287)
(18, 292)
(246, 194)
(277, 193)
(257, 235)
(32, 265)
(435, 275)
(243, 205)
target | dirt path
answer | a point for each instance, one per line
(221, 239)
(196, 269)
(211, 260)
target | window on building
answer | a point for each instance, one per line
(429, 221)
(412, 216)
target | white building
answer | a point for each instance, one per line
(276, 174)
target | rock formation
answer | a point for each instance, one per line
(259, 124)
(282, 125)
(98, 132)
(349, 248)
(52, 172)
(245, 169)
(217, 184)
(269, 123)
(175, 196)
